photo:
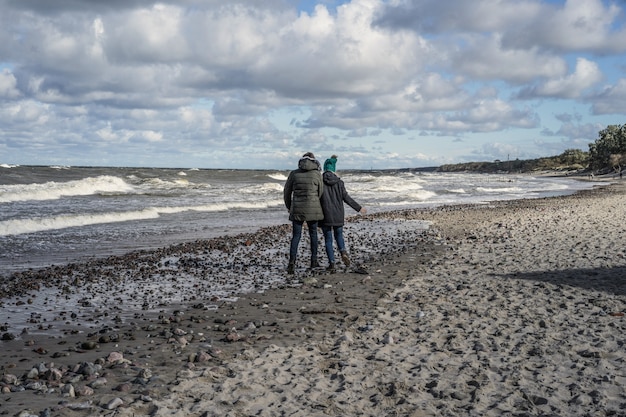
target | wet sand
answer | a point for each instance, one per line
(511, 308)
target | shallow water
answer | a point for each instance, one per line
(58, 215)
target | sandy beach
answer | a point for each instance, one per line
(507, 309)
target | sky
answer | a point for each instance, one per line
(250, 84)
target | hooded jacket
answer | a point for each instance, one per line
(303, 190)
(334, 196)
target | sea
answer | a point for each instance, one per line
(52, 215)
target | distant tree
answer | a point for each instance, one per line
(574, 157)
(611, 141)
(617, 161)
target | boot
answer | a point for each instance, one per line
(331, 268)
(314, 263)
(344, 258)
(291, 267)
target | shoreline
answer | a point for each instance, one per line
(33, 251)
(471, 318)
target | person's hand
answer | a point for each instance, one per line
(363, 210)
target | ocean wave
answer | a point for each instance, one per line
(105, 184)
(158, 185)
(262, 189)
(278, 176)
(503, 190)
(40, 224)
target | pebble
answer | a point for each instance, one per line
(84, 391)
(86, 405)
(115, 357)
(9, 379)
(89, 345)
(98, 383)
(114, 403)
(345, 338)
(67, 390)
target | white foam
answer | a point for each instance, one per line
(278, 176)
(501, 190)
(104, 184)
(40, 224)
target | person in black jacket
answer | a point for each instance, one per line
(302, 194)
(332, 200)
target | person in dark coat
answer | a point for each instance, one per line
(302, 193)
(334, 196)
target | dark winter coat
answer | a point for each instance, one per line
(303, 190)
(334, 196)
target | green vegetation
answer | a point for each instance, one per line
(607, 154)
(569, 160)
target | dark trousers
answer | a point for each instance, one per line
(295, 239)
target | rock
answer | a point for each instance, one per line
(84, 391)
(309, 281)
(98, 383)
(539, 400)
(36, 386)
(9, 379)
(179, 332)
(233, 336)
(145, 373)
(67, 390)
(388, 339)
(86, 405)
(458, 395)
(88, 369)
(125, 387)
(88, 345)
(346, 338)
(53, 374)
(202, 357)
(27, 413)
(115, 357)
(582, 399)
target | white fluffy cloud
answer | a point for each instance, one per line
(587, 74)
(8, 85)
(189, 81)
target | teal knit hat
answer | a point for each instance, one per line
(329, 164)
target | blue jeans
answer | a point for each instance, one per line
(295, 239)
(328, 241)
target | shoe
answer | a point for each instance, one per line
(314, 263)
(331, 268)
(291, 267)
(345, 259)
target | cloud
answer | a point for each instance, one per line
(457, 16)
(187, 82)
(574, 25)
(8, 85)
(486, 58)
(579, 25)
(612, 100)
(587, 74)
